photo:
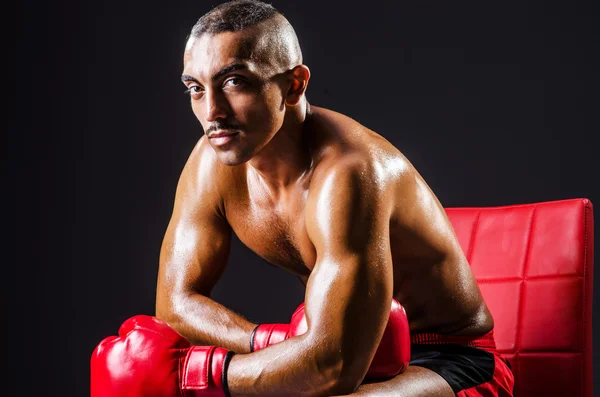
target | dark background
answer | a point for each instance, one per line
(495, 103)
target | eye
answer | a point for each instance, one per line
(194, 90)
(233, 82)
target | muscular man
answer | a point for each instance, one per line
(327, 199)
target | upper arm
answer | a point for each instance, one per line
(196, 244)
(350, 289)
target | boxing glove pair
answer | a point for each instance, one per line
(392, 355)
(149, 358)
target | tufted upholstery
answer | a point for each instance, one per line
(534, 264)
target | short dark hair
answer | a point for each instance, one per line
(234, 16)
(280, 46)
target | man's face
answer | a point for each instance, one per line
(238, 100)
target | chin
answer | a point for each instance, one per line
(231, 159)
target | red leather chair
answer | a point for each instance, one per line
(534, 264)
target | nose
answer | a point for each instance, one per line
(216, 106)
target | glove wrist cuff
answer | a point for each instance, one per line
(224, 381)
(202, 371)
(268, 334)
(252, 337)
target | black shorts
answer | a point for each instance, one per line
(470, 371)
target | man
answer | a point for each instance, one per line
(327, 199)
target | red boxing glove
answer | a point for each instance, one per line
(392, 355)
(151, 359)
(268, 334)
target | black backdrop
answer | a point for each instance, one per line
(494, 102)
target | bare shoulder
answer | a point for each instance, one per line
(202, 166)
(358, 157)
(350, 149)
(204, 178)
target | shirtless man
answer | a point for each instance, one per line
(325, 198)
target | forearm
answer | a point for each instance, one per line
(294, 367)
(205, 322)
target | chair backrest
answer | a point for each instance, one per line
(534, 265)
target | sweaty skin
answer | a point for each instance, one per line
(316, 193)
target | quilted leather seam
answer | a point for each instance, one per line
(525, 267)
(498, 280)
(534, 278)
(530, 353)
(585, 297)
(472, 238)
(511, 206)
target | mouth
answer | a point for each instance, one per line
(222, 137)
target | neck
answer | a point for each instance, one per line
(287, 157)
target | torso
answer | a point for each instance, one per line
(432, 278)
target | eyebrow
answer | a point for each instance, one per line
(219, 74)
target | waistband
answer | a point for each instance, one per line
(485, 342)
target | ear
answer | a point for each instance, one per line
(299, 81)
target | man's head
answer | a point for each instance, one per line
(243, 69)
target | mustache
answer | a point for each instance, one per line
(222, 125)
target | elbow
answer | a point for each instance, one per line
(168, 318)
(161, 312)
(343, 385)
(170, 309)
(340, 375)
(163, 307)
(164, 312)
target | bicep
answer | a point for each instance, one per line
(349, 290)
(195, 248)
(194, 253)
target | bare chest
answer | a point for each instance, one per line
(275, 231)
